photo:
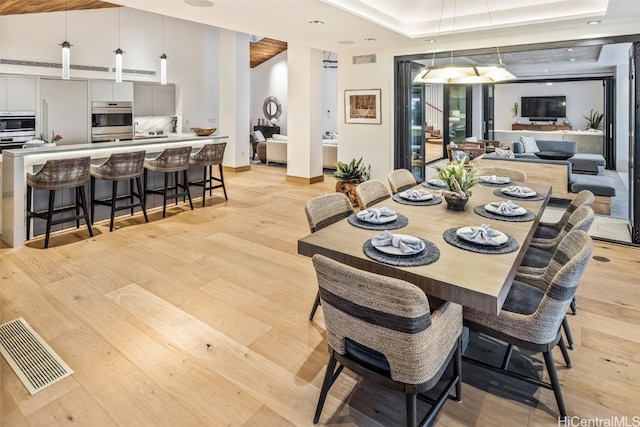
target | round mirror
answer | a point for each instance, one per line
(272, 108)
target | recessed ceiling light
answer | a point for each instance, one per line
(199, 3)
(572, 59)
(549, 84)
(370, 39)
(569, 49)
(431, 41)
(316, 22)
(346, 42)
(546, 71)
(593, 22)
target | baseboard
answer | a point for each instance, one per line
(302, 180)
(231, 169)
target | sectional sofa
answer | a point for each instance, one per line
(277, 151)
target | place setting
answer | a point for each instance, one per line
(516, 192)
(482, 239)
(419, 197)
(401, 250)
(505, 211)
(495, 181)
(381, 218)
(435, 184)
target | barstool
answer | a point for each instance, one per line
(59, 175)
(118, 167)
(208, 156)
(170, 160)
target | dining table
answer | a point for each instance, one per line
(479, 279)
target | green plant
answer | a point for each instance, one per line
(514, 109)
(594, 119)
(352, 171)
(458, 176)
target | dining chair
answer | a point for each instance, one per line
(513, 174)
(207, 157)
(323, 211)
(382, 329)
(471, 150)
(401, 180)
(532, 313)
(371, 192)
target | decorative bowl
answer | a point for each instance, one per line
(203, 131)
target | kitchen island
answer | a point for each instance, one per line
(16, 163)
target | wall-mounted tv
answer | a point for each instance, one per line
(544, 108)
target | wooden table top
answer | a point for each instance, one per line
(479, 281)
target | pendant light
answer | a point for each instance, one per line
(119, 53)
(163, 59)
(66, 50)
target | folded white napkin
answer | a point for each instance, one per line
(507, 208)
(515, 190)
(437, 182)
(374, 214)
(406, 244)
(419, 194)
(482, 235)
(494, 179)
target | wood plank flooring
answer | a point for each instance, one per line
(200, 319)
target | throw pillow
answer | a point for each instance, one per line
(529, 144)
(508, 154)
(471, 139)
(258, 136)
(518, 148)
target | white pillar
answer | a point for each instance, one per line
(234, 90)
(304, 122)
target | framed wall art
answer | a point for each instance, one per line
(362, 106)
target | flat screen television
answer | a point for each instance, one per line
(544, 108)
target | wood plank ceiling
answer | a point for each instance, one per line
(259, 52)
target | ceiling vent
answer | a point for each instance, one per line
(364, 59)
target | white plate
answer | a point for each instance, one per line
(392, 250)
(498, 179)
(381, 220)
(500, 239)
(522, 196)
(436, 184)
(493, 209)
(428, 196)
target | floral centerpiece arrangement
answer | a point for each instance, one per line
(458, 177)
(349, 175)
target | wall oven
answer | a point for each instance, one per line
(16, 128)
(111, 121)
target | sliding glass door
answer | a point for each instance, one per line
(634, 141)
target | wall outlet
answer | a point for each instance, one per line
(212, 121)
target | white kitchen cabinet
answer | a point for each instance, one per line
(17, 93)
(111, 91)
(64, 110)
(154, 99)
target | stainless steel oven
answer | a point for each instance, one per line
(16, 128)
(111, 121)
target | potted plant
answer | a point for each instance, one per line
(459, 177)
(349, 175)
(514, 110)
(594, 119)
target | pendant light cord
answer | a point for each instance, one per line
(163, 33)
(491, 23)
(66, 10)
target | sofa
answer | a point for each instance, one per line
(276, 151)
(566, 177)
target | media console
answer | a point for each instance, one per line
(551, 128)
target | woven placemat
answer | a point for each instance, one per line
(538, 196)
(432, 187)
(496, 184)
(482, 211)
(452, 238)
(430, 254)
(399, 222)
(434, 201)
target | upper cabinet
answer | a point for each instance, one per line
(151, 99)
(17, 93)
(111, 91)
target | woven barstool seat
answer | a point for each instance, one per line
(170, 160)
(119, 167)
(60, 174)
(207, 157)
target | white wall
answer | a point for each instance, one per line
(269, 79)
(192, 51)
(330, 100)
(582, 97)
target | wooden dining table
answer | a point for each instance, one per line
(477, 280)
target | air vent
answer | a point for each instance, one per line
(33, 361)
(364, 59)
(42, 64)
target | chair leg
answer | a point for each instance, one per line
(186, 186)
(114, 192)
(224, 189)
(85, 209)
(457, 369)
(565, 353)
(52, 197)
(164, 194)
(93, 198)
(567, 332)
(77, 203)
(210, 181)
(507, 357)
(131, 194)
(142, 199)
(326, 385)
(316, 303)
(573, 306)
(175, 182)
(29, 195)
(412, 410)
(204, 184)
(555, 383)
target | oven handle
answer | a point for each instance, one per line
(116, 110)
(6, 139)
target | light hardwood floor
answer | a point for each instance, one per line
(200, 319)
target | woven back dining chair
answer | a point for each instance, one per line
(549, 230)
(513, 174)
(371, 192)
(383, 329)
(532, 313)
(401, 180)
(323, 211)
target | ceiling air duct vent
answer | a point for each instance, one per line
(364, 59)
